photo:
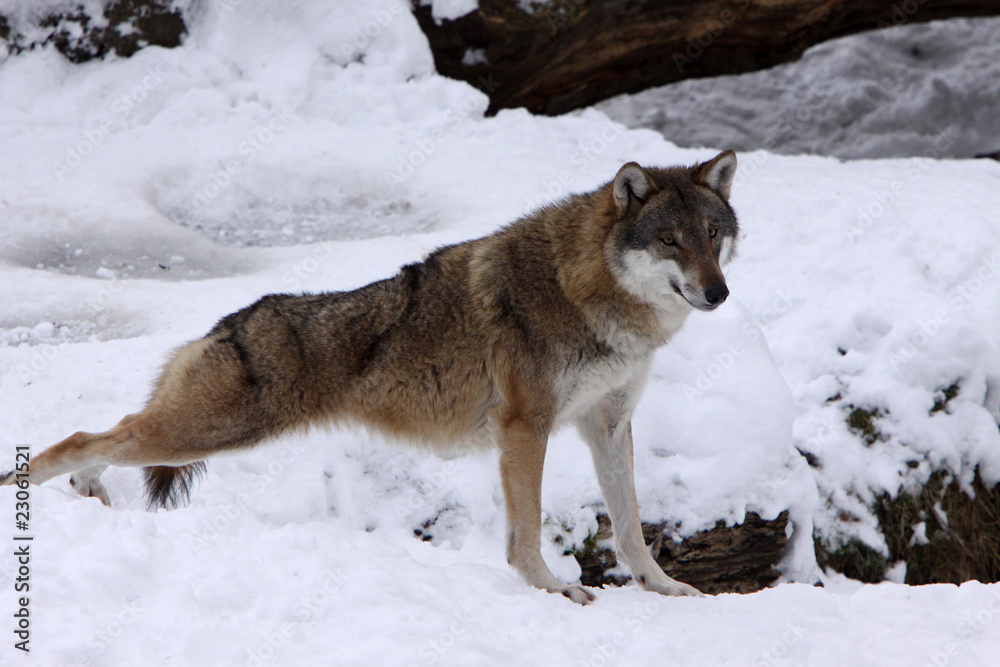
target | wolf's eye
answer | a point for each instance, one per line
(713, 232)
(668, 240)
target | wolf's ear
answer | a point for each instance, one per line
(717, 173)
(632, 184)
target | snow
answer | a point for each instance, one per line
(450, 9)
(915, 90)
(310, 146)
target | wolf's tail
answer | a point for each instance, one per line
(169, 486)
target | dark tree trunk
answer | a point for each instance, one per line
(572, 53)
(725, 559)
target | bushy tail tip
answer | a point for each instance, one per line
(169, 486)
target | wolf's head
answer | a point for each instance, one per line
(674, 231)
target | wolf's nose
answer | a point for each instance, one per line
(716, 294)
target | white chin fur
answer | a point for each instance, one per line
(650, 281)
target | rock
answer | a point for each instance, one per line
(130, 26)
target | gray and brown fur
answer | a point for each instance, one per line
(551, 320)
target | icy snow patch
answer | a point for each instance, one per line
(917, 90)
(246, 220)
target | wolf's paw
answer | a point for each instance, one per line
(577, 594)
(668, 586)
(90, 487)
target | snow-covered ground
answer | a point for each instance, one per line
(310, 146)
(924, 90)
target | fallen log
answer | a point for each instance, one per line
(568, 54)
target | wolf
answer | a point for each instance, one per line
(551, 320)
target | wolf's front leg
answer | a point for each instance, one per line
(522, 455)
(608, 431)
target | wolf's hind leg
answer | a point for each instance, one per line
(77, 452)
(87, 483)
(210, 397)
(135, 441)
